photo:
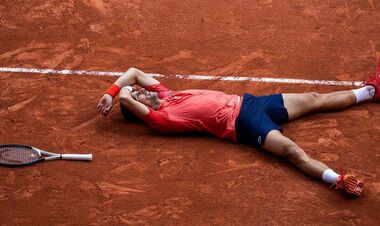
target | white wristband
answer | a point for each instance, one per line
(129, 88)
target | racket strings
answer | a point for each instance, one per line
(17, 155)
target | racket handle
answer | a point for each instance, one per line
(81, 157)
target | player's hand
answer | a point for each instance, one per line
(105, 104)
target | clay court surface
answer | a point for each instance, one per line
(142, 178)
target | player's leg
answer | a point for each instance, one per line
(298, 104)
(280, 145)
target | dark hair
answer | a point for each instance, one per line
(128, 115)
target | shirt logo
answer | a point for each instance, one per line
(259, 140)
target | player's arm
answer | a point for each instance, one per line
(129, 78)
(135, 76)
(131, 104)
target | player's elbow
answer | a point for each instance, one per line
(136, 73)
(133, 70)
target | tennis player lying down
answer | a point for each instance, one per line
(252, 119)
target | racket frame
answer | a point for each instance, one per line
(50, 155)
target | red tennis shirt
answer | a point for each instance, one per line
(194, 111)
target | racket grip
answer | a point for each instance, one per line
(80, 157)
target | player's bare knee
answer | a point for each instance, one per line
(316, 100)
(300, 159)
(295, 155)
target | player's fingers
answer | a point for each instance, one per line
(100, 106)
(100, 109)
(107, 110)
(104, 110)
(105, 113)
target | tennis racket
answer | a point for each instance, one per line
(14, 155)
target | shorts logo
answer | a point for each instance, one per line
(259, 140)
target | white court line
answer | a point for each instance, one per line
(192, 77)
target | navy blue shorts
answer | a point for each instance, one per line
(258, 116)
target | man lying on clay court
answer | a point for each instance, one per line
(252, 119)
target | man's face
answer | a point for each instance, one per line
(145, 97)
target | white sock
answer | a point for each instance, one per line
(364, 93)
(330, 176)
